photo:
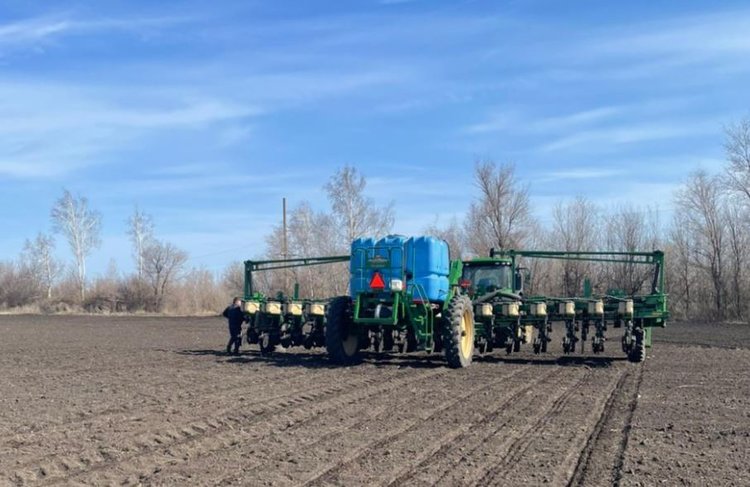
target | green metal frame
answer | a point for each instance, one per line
(275, 264)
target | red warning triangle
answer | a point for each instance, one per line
(377, 281)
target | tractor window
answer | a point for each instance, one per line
(488, 278)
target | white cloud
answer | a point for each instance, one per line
(48, 129)
(579, 173)
(598, 139)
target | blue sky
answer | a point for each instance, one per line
(205, 115)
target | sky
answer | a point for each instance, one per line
(206, 114)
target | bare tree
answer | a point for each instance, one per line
(353, 213)
(700, 204)
(679, 265)
(141, 232)
(40, 255)
(162, 264)
(738, 238)
(630, 229)
(501, 217)
(81, 226)
(308, 236)
(233, 278)
(575, 229)
(737, 147)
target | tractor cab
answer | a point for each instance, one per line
(482, 276)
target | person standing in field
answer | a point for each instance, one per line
(235, 316)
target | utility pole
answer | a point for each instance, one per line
(284, 248)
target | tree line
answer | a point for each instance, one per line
(706, 240)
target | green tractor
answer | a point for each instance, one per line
(399, 304)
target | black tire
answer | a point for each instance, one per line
(267, 344)
(458, 332)
(342, 347)
(638, 353)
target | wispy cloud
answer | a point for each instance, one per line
(52, 129)
(34, 30)
(600, 139)
(515, 122)
(580, 174)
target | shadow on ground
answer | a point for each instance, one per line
(564, 361)
(313, 360)
(318, 360)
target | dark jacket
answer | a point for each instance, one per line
(235, 316)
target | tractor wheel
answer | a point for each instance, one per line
(342, 343)
(638, 353)
(267, 345)
(459, 332)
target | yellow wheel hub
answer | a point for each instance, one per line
(467, 334)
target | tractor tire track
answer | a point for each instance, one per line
(456, 433)
(328, 473)
(520, 440)
(207, 419)
(207, 405)
(572, 407)
(145, 456)
(120, 412)
(372, 416)
(465, 437)
(605, 446)
(626, 429)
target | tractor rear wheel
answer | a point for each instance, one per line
(342, 341)
(459, 332)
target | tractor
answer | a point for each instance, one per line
(404, 297)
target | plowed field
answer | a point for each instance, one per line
(155, 401)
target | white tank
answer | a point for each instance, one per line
(316, 309)
(625, 308)
(294, 308)
(484, 309)
(272, 308)
(596, 308)
(567, 308)
(538, 309)
(511, 309)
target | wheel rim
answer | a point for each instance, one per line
(467, 334)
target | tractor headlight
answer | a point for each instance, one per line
(397, 285)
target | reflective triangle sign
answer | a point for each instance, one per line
(377, 281)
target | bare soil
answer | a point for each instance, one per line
(155, 401)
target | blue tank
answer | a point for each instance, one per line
(363, 249)
(428, 261)
(391, 249)
(364, 257)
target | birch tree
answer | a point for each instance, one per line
(353, 213)
(81, 226)
(141, 232)
(40, 256)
